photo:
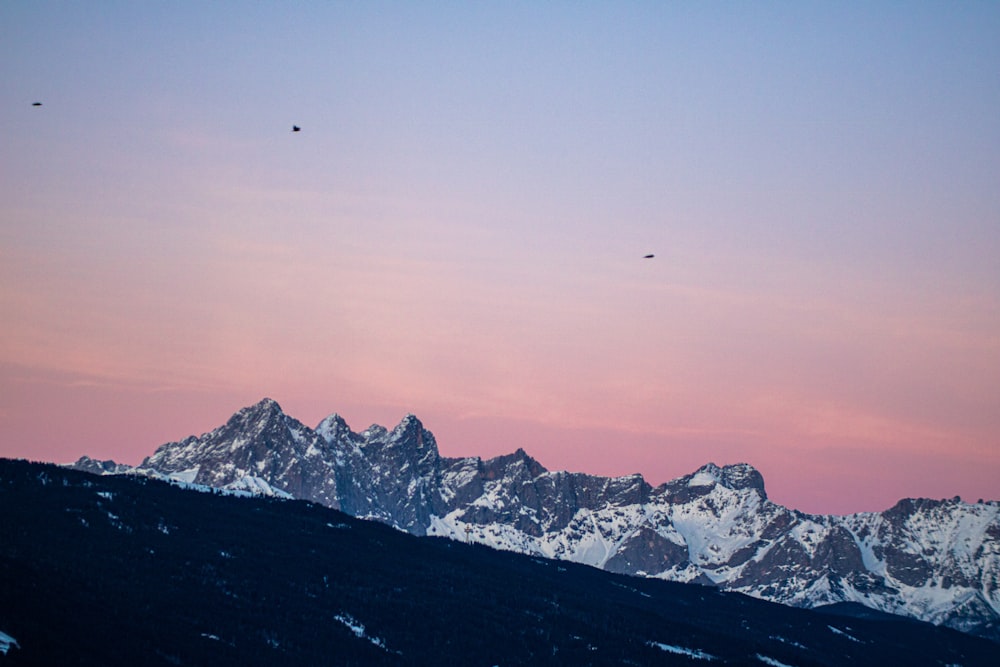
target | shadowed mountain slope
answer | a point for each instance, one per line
(125, 570)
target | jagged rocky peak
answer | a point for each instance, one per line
(534, 466)
(249, 433)
(501, 465)
(375, 433)
(738, 476)
(333, 428)
(743, 476)
(411, 427)
(410, 436)
(107, 467)
(266, 411)
(410, 433)
(910, 506)
(408, 424)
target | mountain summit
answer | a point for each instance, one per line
(938, 561)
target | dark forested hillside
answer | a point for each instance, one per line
(128, 570)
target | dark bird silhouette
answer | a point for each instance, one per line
(296, 128)
(649, 256)
(36, 104)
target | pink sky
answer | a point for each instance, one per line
(458, 233)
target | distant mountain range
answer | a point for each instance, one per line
(129, 570)
(933, 560)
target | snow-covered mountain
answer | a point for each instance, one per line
(936, 560)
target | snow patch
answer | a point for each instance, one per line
(359, 631)
(787, 641)
(185, 476)
(702, 479)
(771, 661)
(680, 650)
(7, 642)
(257, 487)
(837, 631)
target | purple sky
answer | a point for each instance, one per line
(458, 231)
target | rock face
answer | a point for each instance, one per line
(938, 561)
(259, 443)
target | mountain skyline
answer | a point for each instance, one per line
(936, 560)
(460, 231)
(469, 450)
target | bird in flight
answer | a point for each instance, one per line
(36, 104)
(649, 256)
(296, 128)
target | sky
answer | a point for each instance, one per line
(459, 232)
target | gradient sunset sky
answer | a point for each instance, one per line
(458, 232)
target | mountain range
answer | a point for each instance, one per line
(130, 570)
(932, 560)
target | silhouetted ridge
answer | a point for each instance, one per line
(125, 570)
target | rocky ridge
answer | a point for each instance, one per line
(935, 560)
